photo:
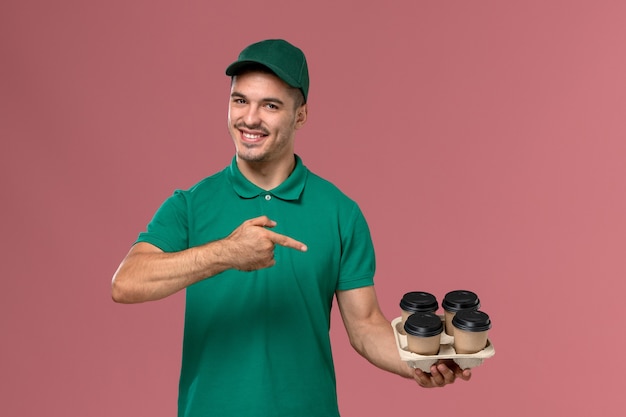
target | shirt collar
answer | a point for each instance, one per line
(290, 189)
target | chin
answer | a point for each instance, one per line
(245, 156)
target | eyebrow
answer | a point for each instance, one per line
(236, 94)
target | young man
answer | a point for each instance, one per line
(261, 248)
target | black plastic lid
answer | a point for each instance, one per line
(472, 321)
(419, 301)
(423, 325)
(460, 300)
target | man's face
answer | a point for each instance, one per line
(263, 118)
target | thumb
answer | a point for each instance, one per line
(262, 221)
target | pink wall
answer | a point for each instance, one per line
(484, 141)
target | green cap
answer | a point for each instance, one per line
(282, 58)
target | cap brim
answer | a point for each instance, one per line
(238, 66)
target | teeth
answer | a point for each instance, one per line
(251, 136)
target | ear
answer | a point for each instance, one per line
(301, 115)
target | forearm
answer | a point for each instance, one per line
(376, 343)
(369, 331)
(148, 274)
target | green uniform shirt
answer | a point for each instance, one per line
(257, 343)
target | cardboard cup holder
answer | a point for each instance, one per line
(446, 351)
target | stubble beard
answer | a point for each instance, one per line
(255, 153)
(248, 156)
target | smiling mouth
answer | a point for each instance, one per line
(251, 135)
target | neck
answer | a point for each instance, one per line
(267, 174)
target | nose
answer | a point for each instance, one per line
(251, 117)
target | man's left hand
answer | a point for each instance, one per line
(441, 374)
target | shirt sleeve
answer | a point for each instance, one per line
(169, 228)
(358, 261)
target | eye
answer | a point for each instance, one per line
(271, 106)
(239, 101)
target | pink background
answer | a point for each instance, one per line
(484, 141)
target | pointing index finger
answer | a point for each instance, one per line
(287, 242)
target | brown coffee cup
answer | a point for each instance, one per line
(456, 301)
(470, 331)
(423, 332)
(416, 302)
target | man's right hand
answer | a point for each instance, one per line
(147, 273)
(251, 245)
